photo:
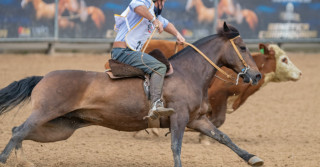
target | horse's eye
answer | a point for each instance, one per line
(243, 48)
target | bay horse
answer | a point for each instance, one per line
(66, 100)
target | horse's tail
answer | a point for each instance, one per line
(17, 92)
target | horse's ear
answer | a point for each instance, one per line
(263, 48)
(225, 27)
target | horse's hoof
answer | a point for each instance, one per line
(3, 159)
(255, 161)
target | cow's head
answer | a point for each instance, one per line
(285, 69)
(265, 59)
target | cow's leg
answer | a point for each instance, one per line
(154, 131)
(206, 127)
(178, 124)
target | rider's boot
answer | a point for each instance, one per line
(157, 109)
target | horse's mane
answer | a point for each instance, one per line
(233, 32)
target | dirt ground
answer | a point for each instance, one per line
(280, 124)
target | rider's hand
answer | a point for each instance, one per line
(157, 24)
(180, 39)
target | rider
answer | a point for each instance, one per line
(134, 26)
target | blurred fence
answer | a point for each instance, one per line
(92, 21)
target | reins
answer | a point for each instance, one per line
(145, 47)
(203, 55)
(224, 80)
(176, 48)
(243, 71)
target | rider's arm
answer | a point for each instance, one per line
(141, 8)
(144, 12)
(170, 28)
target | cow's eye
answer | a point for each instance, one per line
(284, 60)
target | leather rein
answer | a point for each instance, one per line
(243, 71)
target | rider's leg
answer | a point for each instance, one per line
(157, 108)
(153, 67)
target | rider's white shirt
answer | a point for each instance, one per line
(134, 29)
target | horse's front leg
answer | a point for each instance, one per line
(178, 124)
(206, 127)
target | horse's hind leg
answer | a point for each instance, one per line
(58, 129)
(206, 127)
(21, 160)
(18, 135)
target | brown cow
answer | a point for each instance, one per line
(224, 95)
(168, 48)
(274, 65)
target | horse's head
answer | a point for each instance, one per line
(24, 3)
(237, 56)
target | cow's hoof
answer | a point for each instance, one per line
(255, 161)
(24, 163)
(205, 142)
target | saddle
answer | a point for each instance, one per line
(119, 70)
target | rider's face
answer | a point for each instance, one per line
(160, 3)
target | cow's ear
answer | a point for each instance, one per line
(271, 52)
(263, 48)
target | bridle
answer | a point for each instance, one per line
(243, 71)
(246, 66)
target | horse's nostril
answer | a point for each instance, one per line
(258, 77)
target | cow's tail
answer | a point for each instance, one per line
(17, 92)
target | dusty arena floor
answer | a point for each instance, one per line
(280, 124)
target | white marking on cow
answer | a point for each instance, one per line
(285, 69)
(230, 102)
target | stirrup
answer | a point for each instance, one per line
(156, 112)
